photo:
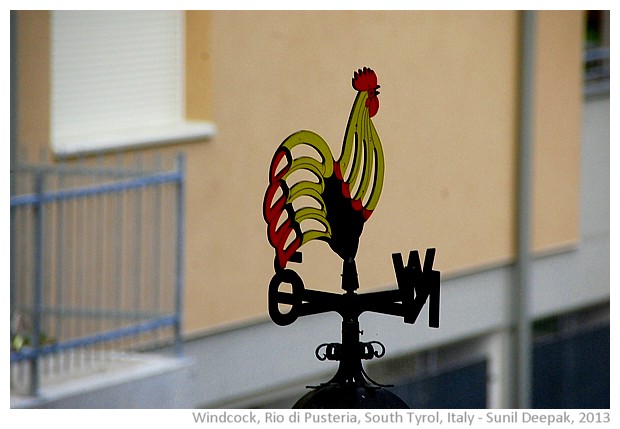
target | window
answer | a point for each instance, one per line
(571, 360)
(118, 81)
(597, 53)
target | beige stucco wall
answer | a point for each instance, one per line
(557, 132)
(34, 77)
(448, 123)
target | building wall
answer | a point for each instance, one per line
(448, 123)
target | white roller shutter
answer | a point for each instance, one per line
(117, 79)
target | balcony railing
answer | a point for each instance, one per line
(96, 264)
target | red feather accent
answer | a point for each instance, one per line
(284, 255)
(275, 162)
(337, 170)
(273, 210)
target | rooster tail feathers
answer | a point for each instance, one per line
(371, 183)
(298, 171)
(361, 163)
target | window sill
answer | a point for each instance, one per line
(93, 143)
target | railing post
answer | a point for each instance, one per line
(37, 297)
(180, 248)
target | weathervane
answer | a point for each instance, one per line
(311, 196)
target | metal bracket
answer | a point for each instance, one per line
(333, 351)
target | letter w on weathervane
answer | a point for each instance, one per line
(416, 284)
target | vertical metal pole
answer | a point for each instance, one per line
(523, 334)
(180, 248)
(37, 297)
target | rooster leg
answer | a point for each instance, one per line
(350, 282)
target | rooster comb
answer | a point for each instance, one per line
(364, 79)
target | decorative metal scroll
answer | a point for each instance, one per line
(312, 196)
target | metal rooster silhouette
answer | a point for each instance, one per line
(339, 196)
(312, 196)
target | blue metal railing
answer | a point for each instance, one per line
(96, 261)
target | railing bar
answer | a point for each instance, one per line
(101, 254)
(95, 222)
(56, 223)
(79, 256)
(88, 259)
(81, 192)
(12, 272)
(156, 234)
(93, 312)
(137, 242)
(47, 322)
(118, 267)
(180, 247)
(38, 285)
(60, 249)
(82, 171)
(28, 353)
(72, 257)
(98, 223)
(23, 256)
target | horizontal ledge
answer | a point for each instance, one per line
(93, 143)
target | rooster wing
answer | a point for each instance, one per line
(293, 200)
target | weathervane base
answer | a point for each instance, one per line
(336, 396)
(350, 387)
